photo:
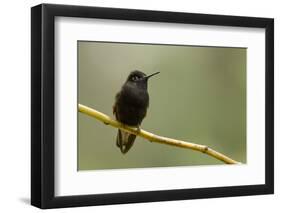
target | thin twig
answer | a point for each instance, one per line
(154, 138)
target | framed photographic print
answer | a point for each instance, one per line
(139, 106)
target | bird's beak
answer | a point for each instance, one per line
(147, 77)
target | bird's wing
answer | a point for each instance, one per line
(114, 108)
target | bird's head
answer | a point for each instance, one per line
(139, 78)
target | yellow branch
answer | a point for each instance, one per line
(154, 138)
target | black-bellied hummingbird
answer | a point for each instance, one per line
(130, 106)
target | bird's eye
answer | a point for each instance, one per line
(135, 78)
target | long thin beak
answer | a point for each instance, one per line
(147, 77)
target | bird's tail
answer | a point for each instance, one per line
(125, 141)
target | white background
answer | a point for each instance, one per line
(15, 107)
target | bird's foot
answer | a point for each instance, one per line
(138, 129)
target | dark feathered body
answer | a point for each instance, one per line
(130, 107)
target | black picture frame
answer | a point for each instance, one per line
(43, 113)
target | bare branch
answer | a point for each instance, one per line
(154, 138)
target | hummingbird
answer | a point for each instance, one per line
(130, 107)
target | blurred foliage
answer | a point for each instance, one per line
(199, 96)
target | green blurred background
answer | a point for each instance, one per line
(199, 96)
